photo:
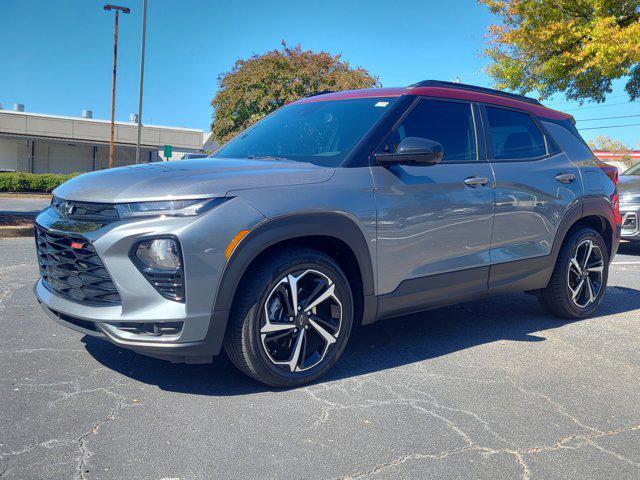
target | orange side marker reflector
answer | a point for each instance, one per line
(234, 243)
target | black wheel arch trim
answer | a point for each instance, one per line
(279, 229)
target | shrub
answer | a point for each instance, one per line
(31, 182)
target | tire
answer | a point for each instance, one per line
(264, 296)
(559, 298)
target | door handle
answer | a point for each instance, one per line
(565, 177)
(476, 181)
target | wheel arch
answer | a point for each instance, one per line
(592, 212)
(326, 232)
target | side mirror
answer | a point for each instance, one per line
(413, 151)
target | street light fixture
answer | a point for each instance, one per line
(125, 11)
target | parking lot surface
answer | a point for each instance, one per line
(490, 389)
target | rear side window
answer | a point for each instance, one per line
(569, 141)
(514, 135)
(448, 123)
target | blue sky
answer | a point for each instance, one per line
(56, 55)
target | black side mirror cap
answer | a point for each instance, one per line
(413, 151)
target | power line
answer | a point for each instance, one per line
(605, 118)
(600, 106)
(611, 126)
(568, 102)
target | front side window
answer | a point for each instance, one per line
(448, 123)
(514, 135)
(318, 132)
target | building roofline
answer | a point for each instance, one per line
(95, 120)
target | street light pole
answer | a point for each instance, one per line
(144, 33)
(124, 10)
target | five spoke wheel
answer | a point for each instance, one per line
(302, 319)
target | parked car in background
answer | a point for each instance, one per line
(335, 210)
(630, 203)
(188, 156)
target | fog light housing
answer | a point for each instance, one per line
(160, 261)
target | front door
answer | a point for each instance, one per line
(434, 220)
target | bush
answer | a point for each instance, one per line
(31, 182)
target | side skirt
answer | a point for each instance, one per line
(434, 291)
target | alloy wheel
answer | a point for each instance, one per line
(302, 320)
(586, 269)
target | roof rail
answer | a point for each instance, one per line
(474, 88)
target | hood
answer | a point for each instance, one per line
(628, 186)
(204, 177)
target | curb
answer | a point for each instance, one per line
(20, 195)
(15, 232)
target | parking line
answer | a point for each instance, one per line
(625, 263)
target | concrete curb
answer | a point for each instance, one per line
(14, 232)
(20, 196)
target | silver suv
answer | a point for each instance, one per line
(336, 210)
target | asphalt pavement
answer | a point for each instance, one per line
(490, 389)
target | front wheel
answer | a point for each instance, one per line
(579, 278)
(291, 318)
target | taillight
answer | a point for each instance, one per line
(612, 173)
(616, 208)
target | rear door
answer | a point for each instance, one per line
(535, 186)
(434, 219)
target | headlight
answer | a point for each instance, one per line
(176, 208)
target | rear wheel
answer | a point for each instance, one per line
(291, 318)
(579, 278)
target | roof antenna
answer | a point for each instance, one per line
(457, 80)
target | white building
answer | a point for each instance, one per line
(37, 143)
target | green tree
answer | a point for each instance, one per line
(608, 144)
(574, 46)
(263, 83)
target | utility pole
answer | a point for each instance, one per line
(124, 10)
(144, 33)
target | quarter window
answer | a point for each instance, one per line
(514, 135)
(448, 123)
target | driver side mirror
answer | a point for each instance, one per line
(413, 151)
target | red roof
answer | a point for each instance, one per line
(441, 92)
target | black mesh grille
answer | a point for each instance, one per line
(85, 211)
(75, 273)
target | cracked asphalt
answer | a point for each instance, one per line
(490, 389)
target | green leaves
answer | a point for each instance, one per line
(31, 182)
(575, 46)
(263, 83)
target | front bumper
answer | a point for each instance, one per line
(203, 240)
(630, 214)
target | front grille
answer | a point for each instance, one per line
(85, 211)
(75, 273)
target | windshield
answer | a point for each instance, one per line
(322, 133)
(635, 170)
